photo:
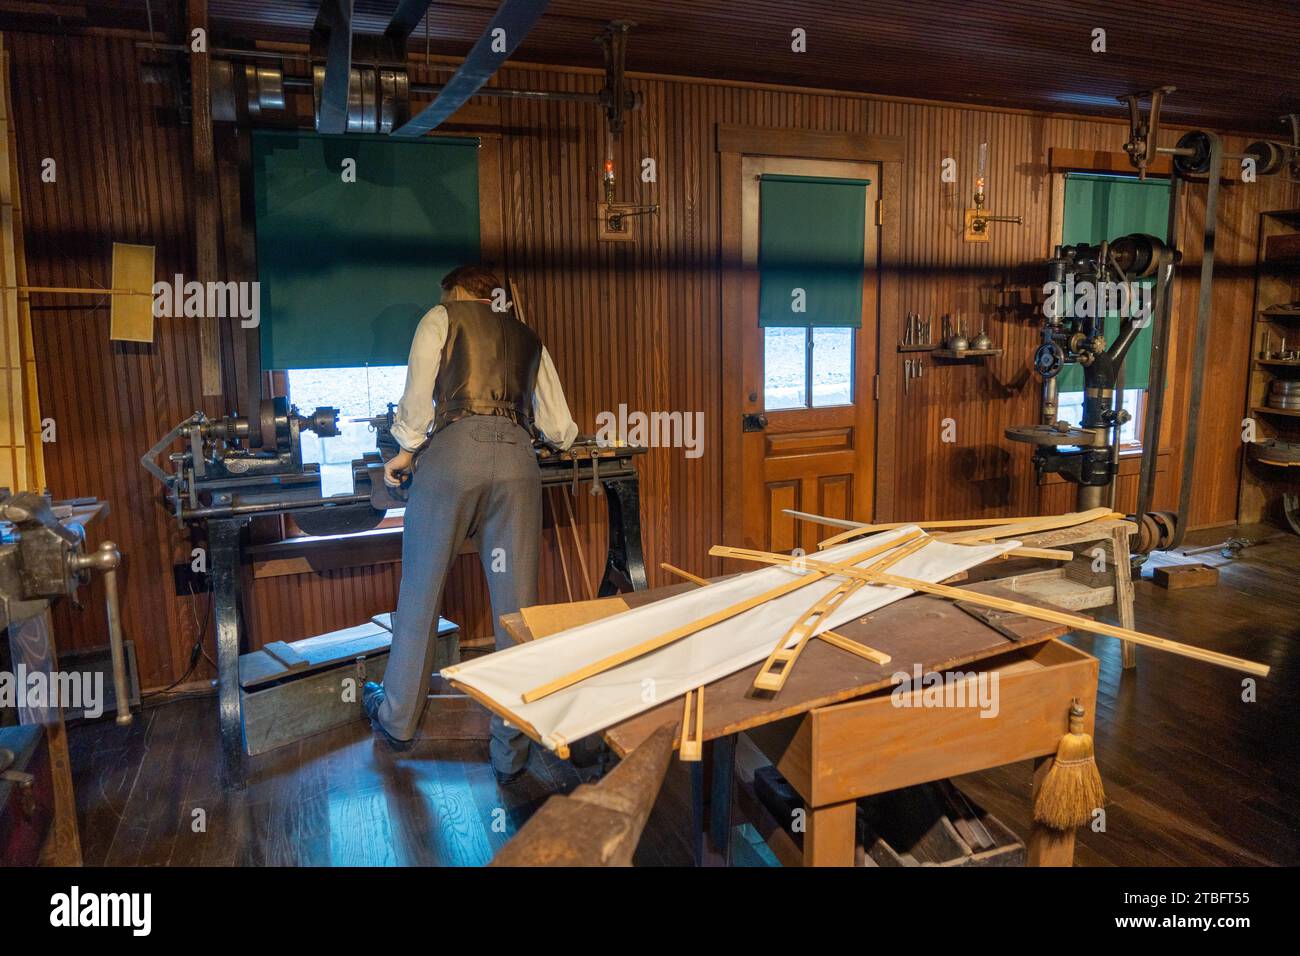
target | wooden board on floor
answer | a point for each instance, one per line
(1175, 577)
(289, 692)
(332, 649)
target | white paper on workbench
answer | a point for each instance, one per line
(724, 648)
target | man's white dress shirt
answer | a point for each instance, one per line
(415, 411)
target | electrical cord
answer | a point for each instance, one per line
(196, 652)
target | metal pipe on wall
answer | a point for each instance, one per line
(1202, 339)
(422, 89)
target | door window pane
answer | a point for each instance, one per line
(832, 367)
(785, 368)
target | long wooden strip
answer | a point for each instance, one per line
(1073, 621)
(857, 530)
(1047, 554)
(577, 546)
(559, 543)
(1010, 527)
(684, 575)
(853, 647)
(1078, 623)
(1033, 526)
(685, 630)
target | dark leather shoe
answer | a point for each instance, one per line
(372, 696)
(506, 779)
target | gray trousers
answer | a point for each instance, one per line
(477, 478)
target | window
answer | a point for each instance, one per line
(807, 367)
(812, 242)
(358, 393)
(1070, 409)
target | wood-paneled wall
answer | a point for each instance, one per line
(627, 323)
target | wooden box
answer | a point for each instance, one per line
(933, 824)
(292, 691)
(870, 745)
(1175, 577)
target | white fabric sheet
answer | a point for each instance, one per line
(605, 699)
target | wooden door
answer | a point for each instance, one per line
(810, 450)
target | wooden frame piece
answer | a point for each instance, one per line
(1072, 621)
(677, 633)
(691, 747)
(853, 647)
(1008, 527)
(780, 663)
(830, 637)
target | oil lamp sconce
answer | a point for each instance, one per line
(977, 220)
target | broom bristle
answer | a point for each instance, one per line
(1072, 789)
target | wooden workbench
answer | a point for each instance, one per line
(36, 650)
(836, 736)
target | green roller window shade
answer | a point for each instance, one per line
(1100, 208)
(347, 269)
(811, 237)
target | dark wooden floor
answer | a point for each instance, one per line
(1193, 774)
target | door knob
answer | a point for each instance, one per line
(754, 422)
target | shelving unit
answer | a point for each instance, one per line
(966, 353)
(1277, 284)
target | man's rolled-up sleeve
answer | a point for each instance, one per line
(550, 410)
(415, 411)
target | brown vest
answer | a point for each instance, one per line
(489, 366)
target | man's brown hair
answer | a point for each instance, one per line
(478, 281)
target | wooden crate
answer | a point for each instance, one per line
(291, 691)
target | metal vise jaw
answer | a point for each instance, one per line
(43, 559)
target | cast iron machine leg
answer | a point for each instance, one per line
(624, 564)
(223, 562)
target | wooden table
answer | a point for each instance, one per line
(835, 735)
